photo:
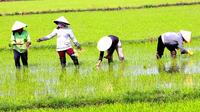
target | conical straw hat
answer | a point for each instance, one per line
(61, 19)
(186, 35)
(18, 25)
(104, 43)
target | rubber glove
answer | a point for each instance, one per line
(190, 53)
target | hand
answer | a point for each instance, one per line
(190, 53)
(28, 44)
(79, 48)
(19, 42)
(39, 40)
(98, 64)
(97, 67)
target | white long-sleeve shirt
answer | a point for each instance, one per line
(63, 38)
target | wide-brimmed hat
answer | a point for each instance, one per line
(62, 19)
(104, 43)
(186, 35)
(18, 25)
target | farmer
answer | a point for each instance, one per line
(64, 34)
(173, 41)
(109, 44)
(20, 42)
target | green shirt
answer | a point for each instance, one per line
(22, 38)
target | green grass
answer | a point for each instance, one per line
(128, 25)
(41, 5)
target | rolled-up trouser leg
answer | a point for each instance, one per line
(160, 48)
(71, 53)
(24, 57)
(119, 51)
(63, 61)
(62, 58)
(75, 59)
(17, 59)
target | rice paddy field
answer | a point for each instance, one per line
(141, 83)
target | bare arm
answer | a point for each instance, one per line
(100, 59)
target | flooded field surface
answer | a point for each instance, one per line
(44, 79)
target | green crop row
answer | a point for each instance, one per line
(90, 26)
(45, 85)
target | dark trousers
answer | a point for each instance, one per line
(23, 56)
(110, 55)
(113, 47)
(161, 47)
(70, 52)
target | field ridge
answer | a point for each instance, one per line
(101, 9)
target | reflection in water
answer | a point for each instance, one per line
(184, 66)
(173, 66)
(22, 74)
(120, 69)
(169, 67)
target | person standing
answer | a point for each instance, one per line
(173, 41)
(109, 43)
(64, 34)
(20, 42)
